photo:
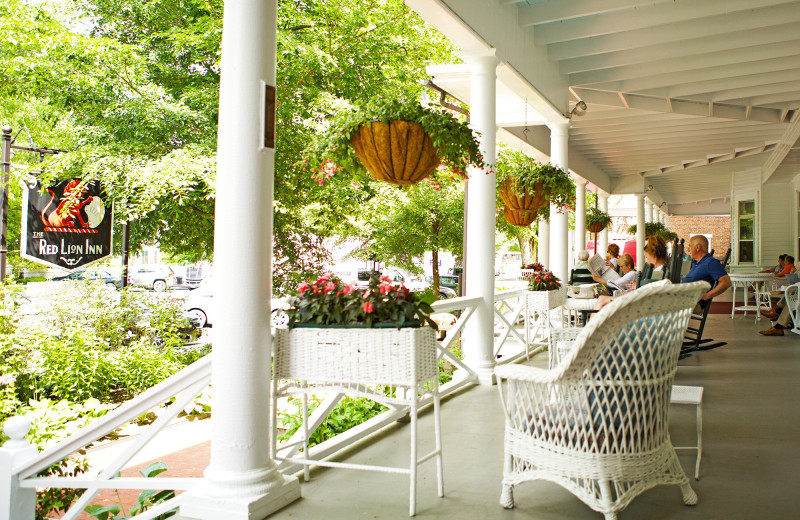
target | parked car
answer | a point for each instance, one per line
(156, 277)
(91, 274)
(446, 280)
(199, 307)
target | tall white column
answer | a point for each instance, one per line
(602, 200)
(649, 211)
(544, 243)
(580, 216)
(242, 482)
(559, 222)
(478, 339)
(640, 229)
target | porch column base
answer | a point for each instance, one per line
(209, 502)
(485, 374)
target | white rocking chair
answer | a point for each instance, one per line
(596, 423)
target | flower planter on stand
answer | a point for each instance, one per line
(360, 362)
(538, 306)
(397, 152)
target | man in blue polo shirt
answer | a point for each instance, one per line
(706, 267)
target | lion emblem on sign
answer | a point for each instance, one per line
(74, 209)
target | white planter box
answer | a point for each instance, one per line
(545, 300)
(398, 357)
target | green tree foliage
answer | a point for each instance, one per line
(135, 83)
(423, 217)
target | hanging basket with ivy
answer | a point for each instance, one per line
(597, 220)
(524, 184)
(397, 141)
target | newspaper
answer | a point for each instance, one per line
(598, 267)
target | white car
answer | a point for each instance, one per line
(154, 276)
(199, 306)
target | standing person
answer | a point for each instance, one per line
(612, 256)
(705, 267)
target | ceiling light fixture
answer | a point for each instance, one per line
(578, 110)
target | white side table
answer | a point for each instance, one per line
(691, 395)
(760, 282)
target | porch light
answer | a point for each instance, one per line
(579, 109)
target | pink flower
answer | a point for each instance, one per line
(315, 289)
(538, 280)
(368, 307)
(349, 289)
(303, 287)
(328, 287)
(385, 288)
(385, 278)
(367, 293)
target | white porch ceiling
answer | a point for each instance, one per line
(681, 93)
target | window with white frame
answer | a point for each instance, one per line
(747, 221)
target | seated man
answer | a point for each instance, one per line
(705, 267)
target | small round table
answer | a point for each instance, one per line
(760, 283)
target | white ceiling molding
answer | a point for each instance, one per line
(782, 149)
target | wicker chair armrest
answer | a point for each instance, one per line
(564, 334)
(526, 373)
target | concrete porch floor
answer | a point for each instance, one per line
(750, 466)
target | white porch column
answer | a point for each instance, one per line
(478, 339)
(559, 222)
(640, 229)
(242, 482)
(580, 216)
(649, 211)
(602, 202)
(544, 243)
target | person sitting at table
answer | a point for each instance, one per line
(775, 269)
(583, 260)
(612, 256)
(624, 282)
(705, 267)
(788, 267)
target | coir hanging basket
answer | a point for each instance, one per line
(519, 217)
(398, 152)
(595, 227)
(527, 199)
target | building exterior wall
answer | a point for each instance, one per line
(777, 222)
(718, 227)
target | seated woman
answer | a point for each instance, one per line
(788, 267)
(628, 277)
(612, 255)
(655, 252)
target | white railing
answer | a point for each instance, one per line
(20, 463)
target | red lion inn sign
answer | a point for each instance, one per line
(66, 226)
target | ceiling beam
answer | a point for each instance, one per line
(671, 33)
(783, 148)
(714, 87)
(672, 13)
(698, 163)
(569, 9)
(680, 106)
(711, 66)
(704, 45)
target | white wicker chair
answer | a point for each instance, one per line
(597, 423)
(792, 295)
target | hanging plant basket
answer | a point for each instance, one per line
(530, 199)
(397, 152)
(596, 227)
(519, 217)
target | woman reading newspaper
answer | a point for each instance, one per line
(621, 283)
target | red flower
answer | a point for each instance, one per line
(315, 289)
(367, 293)
(303, 287)
(349, 289)
(368, 307)
(329, 287)
(385, 288)
(386, 279)
(538, 280)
